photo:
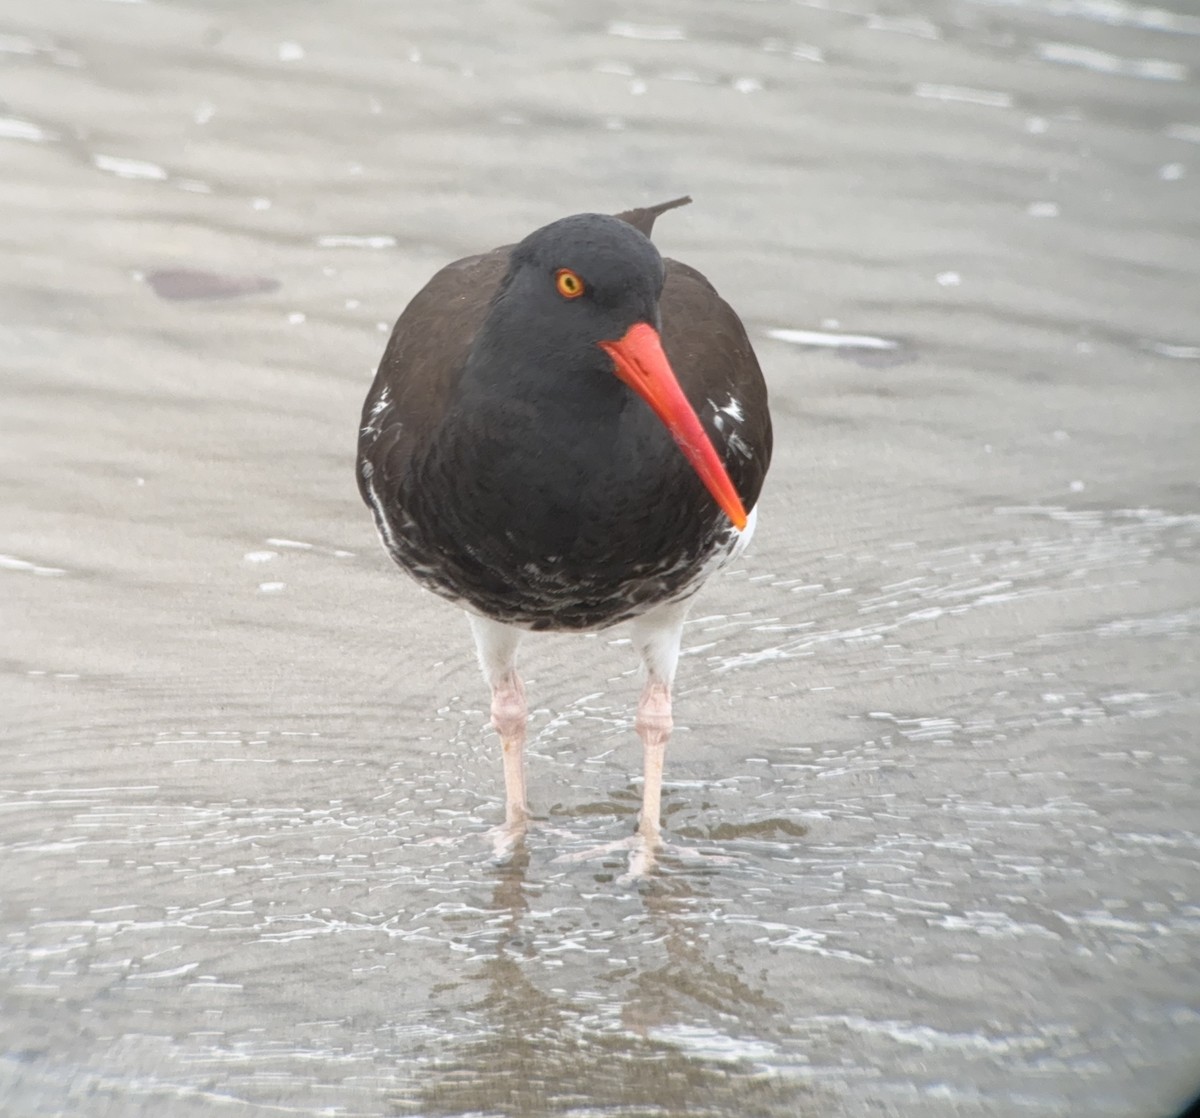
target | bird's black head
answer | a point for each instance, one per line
(577, 282)
(575, 318)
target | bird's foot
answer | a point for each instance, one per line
(507, 838)
(644, 855)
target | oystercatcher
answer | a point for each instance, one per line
(565, 434)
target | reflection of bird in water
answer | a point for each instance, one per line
(562, 435)
(607, 1047)
(688, 982)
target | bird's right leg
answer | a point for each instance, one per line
(496, 645)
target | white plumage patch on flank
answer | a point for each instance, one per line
(377, 409)
(746, 534)
(381, 523)
(736, 443)
(731, 410)
(734, 410)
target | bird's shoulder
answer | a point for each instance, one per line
(424, 359)
(711, 354)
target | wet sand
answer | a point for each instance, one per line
(933, 789)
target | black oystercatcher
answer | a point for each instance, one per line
(565, 434)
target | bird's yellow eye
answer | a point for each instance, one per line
(569, 285)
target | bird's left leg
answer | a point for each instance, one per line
(496, 645)
(656, 636)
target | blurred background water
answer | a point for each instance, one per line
(933, 792)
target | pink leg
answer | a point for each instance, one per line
(653, 724)
(654, 728)
(656, 636)
(496, 644)
(509, 716)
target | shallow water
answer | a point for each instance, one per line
(932, 798)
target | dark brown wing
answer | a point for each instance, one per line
(707, 346)
(421, 366)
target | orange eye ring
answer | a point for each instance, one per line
(568, 283)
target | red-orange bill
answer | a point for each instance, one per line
(641, 363)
